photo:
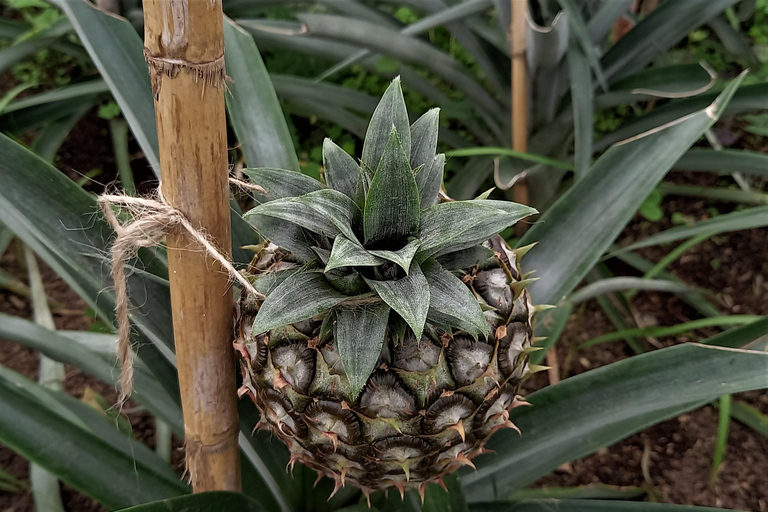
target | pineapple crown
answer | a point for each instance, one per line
(374, 240)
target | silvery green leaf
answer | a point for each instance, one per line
(424, 139)
(392, 205)
(408, 296)
(401, 257)
(348, 282)
(268, 282)
(287, 235)
(450, 227)
(327, 212)
(359, 335)
(451, 302)
(280, 183)
(429, 180)
(299, 297)
(389, 112)
(341, 170)
(465, 258)
(346, 253)
(322, 254)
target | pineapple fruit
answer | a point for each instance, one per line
(394, 329)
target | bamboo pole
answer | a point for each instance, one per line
(184, 46)
(517, 38)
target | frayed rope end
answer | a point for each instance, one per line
(152, 219)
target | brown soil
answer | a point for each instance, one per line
(679, 450)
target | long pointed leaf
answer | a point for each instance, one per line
(280, 183)
(450, 227)
(389, 113)
(585, 220)
(360, 335)
(76, 456)
(346, 253)
(408, 296)
(392, 204)
(451, 303)
(253, 106)
(301, 296)
(612, 402)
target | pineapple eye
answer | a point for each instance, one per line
(493, 287)
(510, 348)
(468, 359)
(447, 412)
(329, 417)
(278, 411)
(413, 356)
(386, 397)
(401, 448)
(495, 407)
(296, 363)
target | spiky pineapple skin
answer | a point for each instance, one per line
(429, 407)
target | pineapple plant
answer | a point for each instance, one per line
(394, 327)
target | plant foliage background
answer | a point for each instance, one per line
(618, 100)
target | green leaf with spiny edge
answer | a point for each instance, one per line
(359, 334)
(430, 179)
(402, 257)
(424, 139)
(288, 235)
(465, 258)
(389, 112)
(346, 253)
(408, 296)
(280, 183)
(450, 227)
(392, 205)
(301, 296)
(451, 302)
(341, 171)
(325, 211)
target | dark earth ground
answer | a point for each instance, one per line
(678, 452)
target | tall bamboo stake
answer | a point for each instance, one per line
(517, 39)
(184, 46)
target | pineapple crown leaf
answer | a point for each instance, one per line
(376, 228)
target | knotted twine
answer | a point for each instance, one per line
(152, 218)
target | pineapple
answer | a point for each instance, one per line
(394, 328)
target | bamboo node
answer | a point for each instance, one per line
(211, 73)
(152, 219)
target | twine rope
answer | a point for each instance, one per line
(152, 220)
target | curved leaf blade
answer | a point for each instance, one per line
(215, 501)
(359, 335)
(453, 226)
(341, 171)
(408, 296)
(451, 302)
(401, 257)
(612, 402)
(583, 223)
(300, 296)
(326, 212)
(78, 457)
(280, 183)
(346, 253)
(389, 113)
(392, 204)
(253, 106)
